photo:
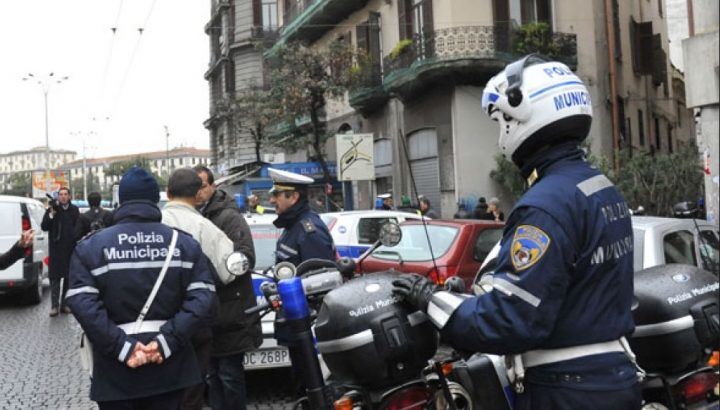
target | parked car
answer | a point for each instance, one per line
(458, 247)
(25, 276)
(265, 235)
(354, 232)
(658, 241)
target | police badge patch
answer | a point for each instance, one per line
(528, 246)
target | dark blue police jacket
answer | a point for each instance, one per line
(112, 273)
(564, 277)
(305, 236)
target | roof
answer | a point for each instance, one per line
(457, 222)
(370, 212)
(647, 222)
(152, 155)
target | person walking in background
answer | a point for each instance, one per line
(59, 220)
(17, 251)
(113, 275)
(426, 209)
(234, 333)
(494, 211)
(480, 211)
(95, 218)
(180, 212)
(462, 212)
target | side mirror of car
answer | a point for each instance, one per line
(237, 263)
(390, 234)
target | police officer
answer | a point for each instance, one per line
(305, 235)
(563, 284)
(113, 272)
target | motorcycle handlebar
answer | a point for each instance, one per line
(256, 309)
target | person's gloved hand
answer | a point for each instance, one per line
(415, 289)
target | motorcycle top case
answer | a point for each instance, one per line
(676, 316)
(369, 338)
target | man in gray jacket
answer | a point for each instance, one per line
(234, 333)
(180, 213)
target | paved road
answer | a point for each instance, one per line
(39, 365)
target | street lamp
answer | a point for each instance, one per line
(45, 83)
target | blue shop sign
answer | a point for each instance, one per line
(312, 169)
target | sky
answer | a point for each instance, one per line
(123, 88)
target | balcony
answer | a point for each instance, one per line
(463, 55)
(315, 18)
(368, 94)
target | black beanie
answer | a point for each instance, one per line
(138, 184)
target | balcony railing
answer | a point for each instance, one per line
(474, 42)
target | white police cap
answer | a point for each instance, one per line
(287, 181)
(385, 196)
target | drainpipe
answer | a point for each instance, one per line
(613, 81)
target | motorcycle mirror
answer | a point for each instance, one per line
(237, 263)
(284, 270)
(390, 234)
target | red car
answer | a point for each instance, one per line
(459, 247)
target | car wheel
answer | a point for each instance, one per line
(33, 294)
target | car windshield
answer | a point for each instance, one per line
(265, 238)
(414, 244)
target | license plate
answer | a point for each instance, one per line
(259, 359)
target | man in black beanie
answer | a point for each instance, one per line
(113, 273)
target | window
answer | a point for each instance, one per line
(641, 128)
(616, 29)
(269, 14)
(658, 141)
(641, 47)
(486, 240)
(669, 139)
(369, 229)
(679, 247)
(532, 11)
(660, 8)
(709, 251)
(413, 246)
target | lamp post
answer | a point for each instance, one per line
(45, 84)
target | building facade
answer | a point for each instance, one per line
(234, 30)
(161, 163)
(429, 61)
(700, 51)
(31, 160)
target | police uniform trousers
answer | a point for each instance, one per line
(542, 397)
(166, 401)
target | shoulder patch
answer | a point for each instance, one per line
(308, 225)
(528, 246)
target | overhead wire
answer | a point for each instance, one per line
(133, 54)
(108, 60)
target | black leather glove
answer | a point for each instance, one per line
(415, 289)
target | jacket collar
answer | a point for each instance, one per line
(137, 211)
(217, 202)
(293, 214)
(181, 206)
(542, 162)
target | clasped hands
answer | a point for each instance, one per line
(144, 354)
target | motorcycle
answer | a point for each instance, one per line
(380, 353)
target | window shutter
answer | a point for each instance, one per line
(659, 61)
(361, 31)
(403, 19)
(257, 13)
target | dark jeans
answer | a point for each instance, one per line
(227, 382)
(55, 292)
(194, 396)
(165, 401)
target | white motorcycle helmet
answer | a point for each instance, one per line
(537, 103)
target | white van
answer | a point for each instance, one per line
(26, 275)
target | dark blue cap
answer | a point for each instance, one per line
(138, 184)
